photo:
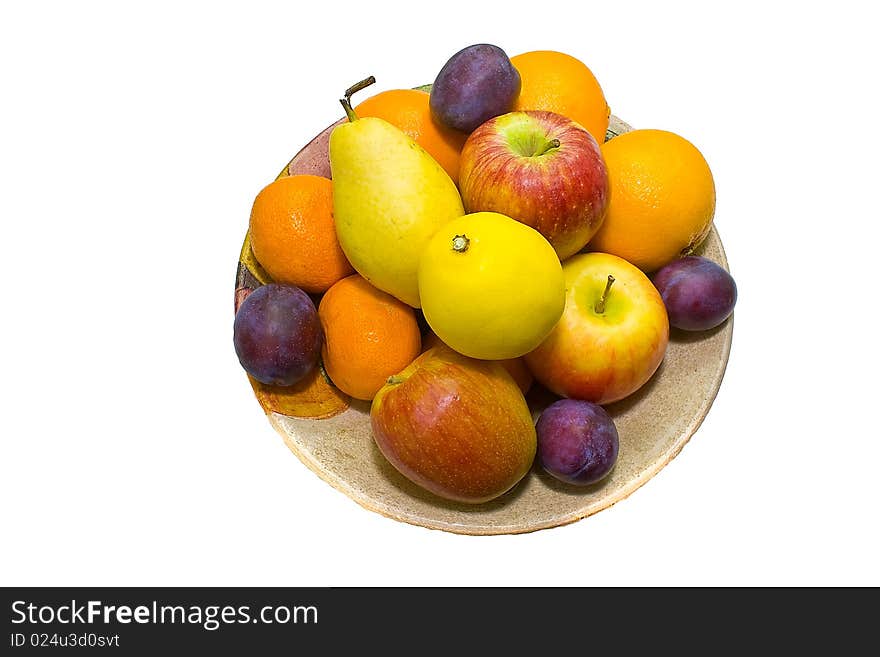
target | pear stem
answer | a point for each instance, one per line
(600, 305)
(460, 243)
(346, 99)
(552, 143)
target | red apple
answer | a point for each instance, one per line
(456, 426)
(542, 169)
(612, 335)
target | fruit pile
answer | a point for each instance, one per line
(477, 239)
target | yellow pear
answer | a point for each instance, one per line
(389, 197)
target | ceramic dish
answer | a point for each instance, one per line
(330, 433)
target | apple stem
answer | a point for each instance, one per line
(460, 243)
(346, 99)
(553, 143)
(600, 305)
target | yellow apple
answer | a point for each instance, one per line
(612, 335)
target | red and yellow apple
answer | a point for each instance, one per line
(612, 335)
(542, 169)
(456, 426)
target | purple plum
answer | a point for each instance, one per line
(577, 441)
(277, 334)
(698, 293)
(477, 83)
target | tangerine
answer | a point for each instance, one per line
(369, 335)
(293, 235)
(408, 109)
(516, 367)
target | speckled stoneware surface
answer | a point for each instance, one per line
(654, 424)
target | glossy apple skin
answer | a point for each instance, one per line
(456, 426)
(562, 193)
(603, 357)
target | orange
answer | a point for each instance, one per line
(516, 367)
(369, 335)
(293, 235)
(662, 198)
(557, 82)
(408, 109)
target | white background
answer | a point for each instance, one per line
(134, 139)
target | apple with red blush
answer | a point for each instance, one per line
(456, 426)
(540, 168)
(612, 335)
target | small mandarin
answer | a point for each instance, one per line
(516, 367)
(409, 110)
(368, 336)
(293, 235)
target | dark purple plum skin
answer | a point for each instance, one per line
(476, 84)
(578, 441)
(698, 293)
(277, 334)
